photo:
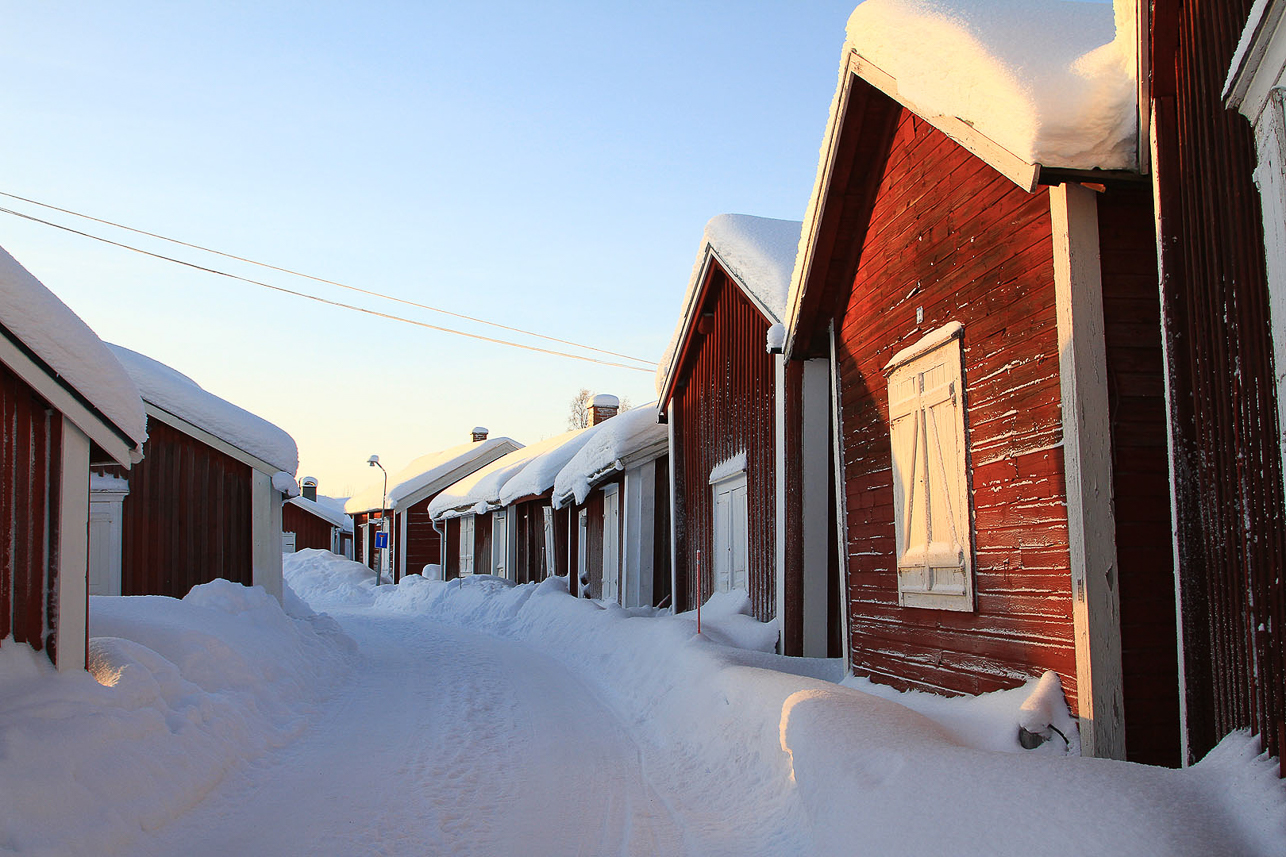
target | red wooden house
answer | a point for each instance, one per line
(413, 540)
(612, 497)
(67, 405)
(205, 503)
(1221, 194)
(735, 410)
(310, 521)
(478, 535)
(989, 302)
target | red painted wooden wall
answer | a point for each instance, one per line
(974, 249)
(423, 543)
(30, 478)
(723, 405)
(310, 531)
(187, 517)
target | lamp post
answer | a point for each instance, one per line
(374, 461)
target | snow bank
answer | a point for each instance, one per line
(539, 474)
(480, 490)
(427, 469)
(172, 391)
(615, 440)
(69, 347)
(757, 252)
(189, 690)
(807, 766)
(1053, 82)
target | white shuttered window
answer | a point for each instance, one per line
(930, 485)
(466, 545)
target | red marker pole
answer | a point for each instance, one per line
(699, 593)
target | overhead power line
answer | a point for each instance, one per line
(335, 283)
(322, 300)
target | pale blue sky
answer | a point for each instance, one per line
(549, 166)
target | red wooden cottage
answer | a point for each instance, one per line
(613, 498)
(312, 521)
(979, 264)
(206, 501)
(67, 405)
(541, 532)
(477, 533)
(735, 410)
(413, 540)
(1221, 194)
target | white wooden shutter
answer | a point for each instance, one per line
(611, 543)
(499, 544)
(930, 483)
(466, 545)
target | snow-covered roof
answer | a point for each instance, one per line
(758, 253)
(176, 393)
(324, 511)
(621, 439)
(59, 338)
(1055, 83)
(480, 491)
(445, 466)
(538, 475)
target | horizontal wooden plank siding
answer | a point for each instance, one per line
(30, 475)
(1140, 475)
(724, 406)
(1231, 522)
(310, 531)
(187, 517)
(951, 236)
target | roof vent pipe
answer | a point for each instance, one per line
(479, 434)
(602, 407)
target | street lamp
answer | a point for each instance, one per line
(374, 461)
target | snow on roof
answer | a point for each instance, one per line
(758, 253)
(617, 439)
(480, 490)
(605, 400)
(1055, 83)
(427, 469)
(324, 511)
(176, 393)
(538, 475)
(69, 347)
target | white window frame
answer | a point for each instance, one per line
(731, 532)
(466, 545)
(931, 504)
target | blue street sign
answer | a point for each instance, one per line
(381, 540)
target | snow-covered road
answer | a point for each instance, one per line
(445, 741)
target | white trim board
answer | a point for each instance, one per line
(73, 550)
(1087, 455)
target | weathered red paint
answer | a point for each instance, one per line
(310, 530)
(187, 517)
(30, 479)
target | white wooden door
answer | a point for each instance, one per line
(499, 544)
(611, 544)
(105, 547)
(582, 567)
(731, 534)
(551, 558)
(466, 545)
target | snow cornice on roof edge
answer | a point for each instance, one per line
(758, 254)
(924, 53)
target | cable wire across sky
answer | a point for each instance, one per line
(649, 366)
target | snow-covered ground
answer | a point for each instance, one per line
(480, 718)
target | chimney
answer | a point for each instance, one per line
(479, 434)
(309, 488)
(603, 406)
